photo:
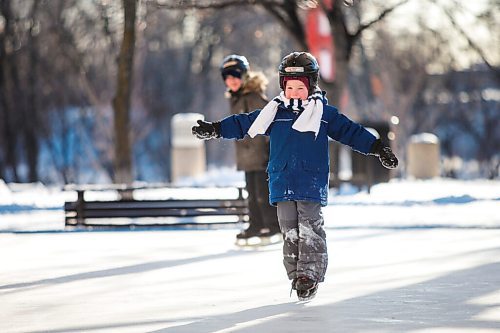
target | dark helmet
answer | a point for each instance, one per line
(234, 65)
(299, 64)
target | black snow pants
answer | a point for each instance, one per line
(261, 213)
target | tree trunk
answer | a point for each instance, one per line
(30, 129)
(8, 119)
(121, 101)
(341, 54)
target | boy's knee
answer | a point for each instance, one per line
(316, 225)
(291, 235)
(312, 233)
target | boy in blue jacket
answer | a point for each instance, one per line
(299, 122)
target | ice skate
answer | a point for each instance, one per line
(248, 233)
(248, 236)
(294, 281)
(261, 237)
(306, 288)
(270, 236)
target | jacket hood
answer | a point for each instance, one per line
(255, 82)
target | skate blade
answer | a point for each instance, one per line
(306, 299)
(269, 240)
(259, 241)
(278, 238)
(252, 241)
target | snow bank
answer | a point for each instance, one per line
(397, 204)
(407, 192)
(4, 191)
(215, 177)
(418, 204)
(424, 138)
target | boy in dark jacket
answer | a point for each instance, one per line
(245, 91)
(299, 122)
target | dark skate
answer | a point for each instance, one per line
(306, 288)
(260, 237)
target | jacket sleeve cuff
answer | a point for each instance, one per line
(217, 129)
(376, 148)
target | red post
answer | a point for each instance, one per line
(320, 41)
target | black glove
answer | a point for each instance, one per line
(385, 154)
(206, 130)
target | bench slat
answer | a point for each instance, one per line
(78, 211)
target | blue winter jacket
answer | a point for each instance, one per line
(298, 165)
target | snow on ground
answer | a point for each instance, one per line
(429, 203)
(400, 203)
(411, 256)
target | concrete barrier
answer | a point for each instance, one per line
(424, 156)
(188, 156)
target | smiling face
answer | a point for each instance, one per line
(233, 83)
(296, 89)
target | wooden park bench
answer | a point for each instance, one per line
(102, 213)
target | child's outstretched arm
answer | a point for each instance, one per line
(233, 127)
(346, 131)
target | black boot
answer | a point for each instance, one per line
(294, 281)
(249, 233)
(269, 232)
(306, 288)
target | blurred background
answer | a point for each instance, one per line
(88, 89)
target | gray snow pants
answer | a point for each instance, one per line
(304, 239)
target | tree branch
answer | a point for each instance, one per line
(193, 4)
(290, 20)
(471, 43)
(380, 17)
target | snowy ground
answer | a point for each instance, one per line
(413, 256)
(400, 203)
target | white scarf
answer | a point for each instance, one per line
(308, 121)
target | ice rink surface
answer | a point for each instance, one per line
(411, 256)
(378, 280)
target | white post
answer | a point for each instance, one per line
(424, 156)
(188, 152)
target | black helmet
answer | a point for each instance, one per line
(299, 64)
(234, 65)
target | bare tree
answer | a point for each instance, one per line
(30, 133)
(59, 80)
(288, 13)
(121, 101)
(8, 80)
(19, 109)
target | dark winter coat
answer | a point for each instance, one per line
(251, 154)
(299, 164)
